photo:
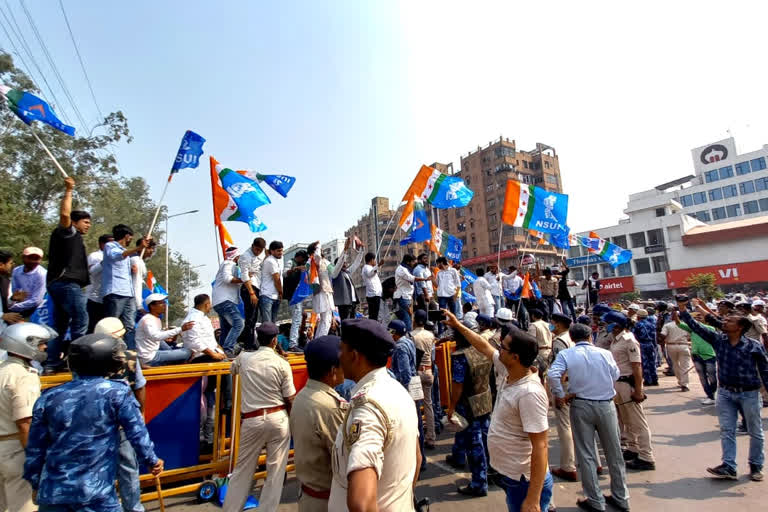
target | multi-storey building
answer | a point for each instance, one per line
(333, 249)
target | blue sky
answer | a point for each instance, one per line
(352, 97)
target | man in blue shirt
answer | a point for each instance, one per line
(74, 436)
(117, 282)
(645, 334)
(742, 363)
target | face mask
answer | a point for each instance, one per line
(609, 328)
(551, 327)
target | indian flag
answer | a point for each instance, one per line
(519, 202)
(436, 188)
(439, 242)
(224, 207)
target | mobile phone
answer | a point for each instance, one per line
(436, 315)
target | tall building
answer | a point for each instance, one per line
(291, 251)
(333, 249)
(486, 172)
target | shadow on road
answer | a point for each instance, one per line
(690, 488)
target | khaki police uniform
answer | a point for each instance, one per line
(19, 389)
(380, 432)
(563, 414)
(316, 415)
(540, 330)
(626, 350)
(425, 341)
(266, 381)
(603, 339)
(678, 344)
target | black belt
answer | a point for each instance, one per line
(591, 400)
(743, 389)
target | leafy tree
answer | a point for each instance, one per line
(631, 296)
(704, 285)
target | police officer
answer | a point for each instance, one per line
(316, 415)
(629, 392)
(19, 389)
(601, 337)
(266, 395)
(73, 439)
(376, 455)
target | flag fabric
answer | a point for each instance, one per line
(242, 208)
(189, 153)
(533, 207)
(419, 230)
(561, 240)
(29, 107)
(594, 235)
(280, 183)
(468, 275)
(446, 244)
(303, 291)
(467, 297)
(153, 286)
(436, 188)
(541, 238)
(608, 252)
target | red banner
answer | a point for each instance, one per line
(509, 253)
(614, 285)
(732, 273)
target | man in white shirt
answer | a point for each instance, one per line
(424, 292)
(271, 291)
(448, 287)
(482, 290)
(250, 263)
(139, 274)
(151, 339)
(322, 289)
(404, 283)
(494, 280)
(225, 296)
(372, 284)
(93, 290)
(511, 283)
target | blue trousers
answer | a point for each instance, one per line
(472, 445)
(648, 353)
(232, 324)
(403, 312)
(728, 406)
(124, 308)
(128, 476)
(517, 490)
(107, 505)
(69, 313)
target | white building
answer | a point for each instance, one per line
(291, 251)
(333, 249)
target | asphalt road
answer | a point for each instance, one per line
(686, 442)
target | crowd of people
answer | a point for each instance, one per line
(371, 410)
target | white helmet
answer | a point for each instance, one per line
(504, 315)
(23, 339)
(110, 325)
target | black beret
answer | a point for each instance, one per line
(601, 309)
(559, 317)
(266, 331)
(367, 336)
(323, 351)
(420, 316)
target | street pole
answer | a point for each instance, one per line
(167, 257)
(189, 279)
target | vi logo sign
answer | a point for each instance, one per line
(728, 273)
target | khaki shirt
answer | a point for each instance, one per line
(625, 350)
(19, 389)
(425, 341)
(266, 379)
(604, 339)
(316, 414)
(540, 330)
(381, 432)
(548, 287)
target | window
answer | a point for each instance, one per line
(492, 219)
(747, 187)
(574, 252)
(504, 151)
(621, 241)
(546, 165)
(761, 184)
(474, 252)
(577, 274)
(655, 237)
(495, 236)
(638, 239)
(525, 164)
(489, 187)
(699, 197)
(718, 213)
(730, 191)
(742, 168)
(711, 176)
(471, 224)
(659, 212)
(623, 270)
(552, 180)
(686, 200)
(660, 263)
(703, 216)
(715, 194)
(763, 205)
(460, 212)
(607, 270)
(642, 266)
(751, 207)
(461, 227)
(726, 172)
(733, 210)
(491, 204)
(758, 164)
(495, 248)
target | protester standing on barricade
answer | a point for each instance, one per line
(151, 338)
(266, 395)
(28, 283)
(93, 290)
(592, 285)
(344, 294)
(548, 284)
(448, 287)
(322, 290)
(494, 280)
(139, 275)
(291, 281)
(482, 290)
(250, 264)
(372, 283)
(225, 297)
(67, 274)
(404, 281)
(424, 292)
(271, 291)
(563, 295)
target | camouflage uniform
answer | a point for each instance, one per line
(74, 441)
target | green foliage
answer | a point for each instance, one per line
(704, 285)
(632, 296)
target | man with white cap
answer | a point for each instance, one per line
(29, 279)
(150, 336)
(759, 330)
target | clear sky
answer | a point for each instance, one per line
(351, 97)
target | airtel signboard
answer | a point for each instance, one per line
(616, 285)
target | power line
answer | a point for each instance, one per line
(80, 58)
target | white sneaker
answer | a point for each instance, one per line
(707, 401)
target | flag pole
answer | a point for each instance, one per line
(217, 242)
(157, 212)
(498, 258)
(379, 243)
(48, 151)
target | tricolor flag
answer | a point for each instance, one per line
(534, 208)
(446, 244)
(153, 286)
(609, 252)
(418, 230)
(29, 107)
(436, 188)
(248, 197)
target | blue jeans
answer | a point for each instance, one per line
(728, 405)
(471, 444)
(268, 308)
(297, 313)
(568, 308)
(69, 312)
(707, 370)
(123, 308)
(404, 312)
(231, 324)
(448, 303)
(167, 355)
(517, 490)
(128, 476)
(106, 505)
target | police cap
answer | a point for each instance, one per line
(322, 352)
(367, 336)
(563, 319)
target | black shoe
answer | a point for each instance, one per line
(742, 430)
(755, 473)
(206, 448)
(454, 463)
(471, 491)
(641, 465)
(615, 503)
(629, 455)
(585, 505)
(723, 471)
(656, 383)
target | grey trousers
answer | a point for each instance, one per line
(588, 417)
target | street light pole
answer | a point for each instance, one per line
(167, 256)
(189, 279)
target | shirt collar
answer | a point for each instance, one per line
(321, 386)
(370, 376)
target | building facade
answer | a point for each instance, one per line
(333, 249)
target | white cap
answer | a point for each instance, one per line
(758, 302)
(633, 306)
(110, 325)
(154, 297)
(504, 314)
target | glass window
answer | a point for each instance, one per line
(747, 187)
(459, 213)
(726, 172)
(733, 210)
(699, 197)
(607, 270)
(742, 168)
(730, 191)
(578, 274)
(751, 207)
(703, 216)
(638, 239)
(623, 270)
(491, 204)
(715, 194)
(711, 176)
(621, 241)
(461, 227)
(574, 252)
(552, 180)
(642, 266)
(763, 204)
(655, 237)
(659, 212)
(686, 200)
(758, 164)
(660, 263)
(718, 213)
(761, 184)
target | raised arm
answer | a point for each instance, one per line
(475, 339)
(357, 261)
(66, 203)
(705, 334)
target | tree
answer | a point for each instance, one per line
(704, 285)
(631, 296)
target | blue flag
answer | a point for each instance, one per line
(615, 255)
(420, 230)
(189, 152)
(561, 240)
(467, 297)
(303, 291)
(468, 275)
(29, 107)
(280, 183)
(247, 195)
